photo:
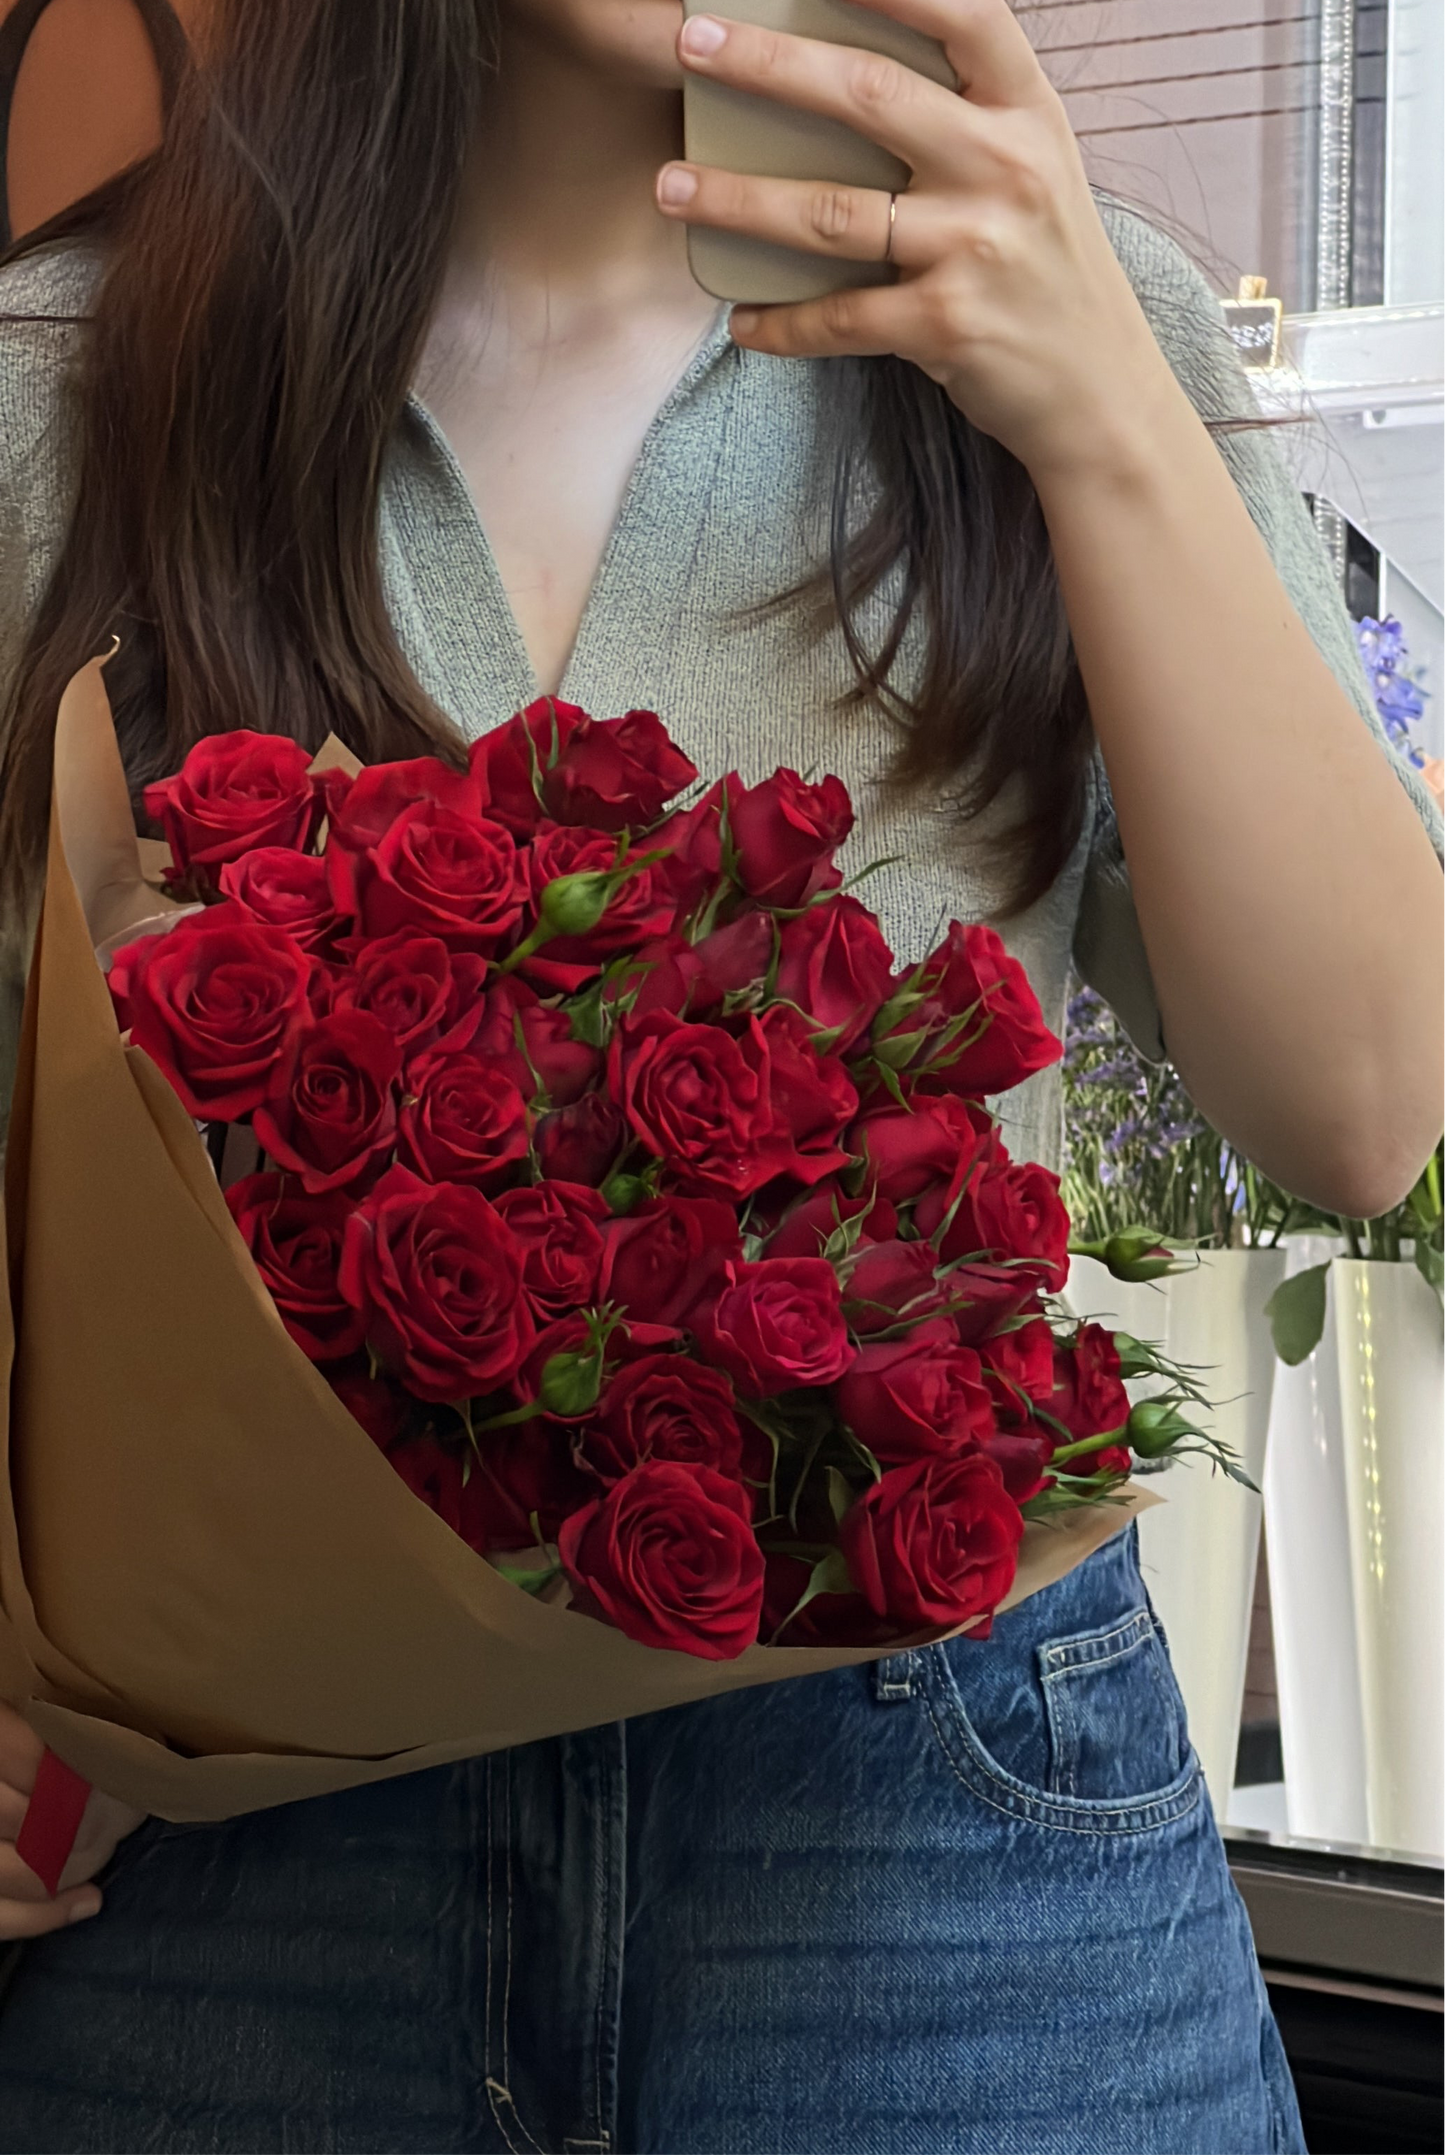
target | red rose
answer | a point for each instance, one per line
(534, 1044)
(1005, 1038)
(929, 1145)
(235, 792)
(557, 1224)
(375, 1402)
(691, 979)
(615, 774)
(1013, 1211)
(982, 1297)
(437, 1474)
(508, 763)
(776, 1326)
(448, 875)
(1088, 1394)
(637, 911)
(811, 1095)
(438, 1277)
(826, 1620)
(1019, 1368)
(463, 1120)
(524, 1479)
(695, 1100)
(581, 1143)
(892, 1282)
(287, 890)
(331, 1111)
(362, 815)
(936, 1542)
(805, 1228)
(693, 839)
(668, 1556)
(295, 1244)
(656, 1258)
(785, 833)
(922, 1393)
(835, 965)
(663, 1406)
(404, 981)
(216, 1004)
(1022, 1456)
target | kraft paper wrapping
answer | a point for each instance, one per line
(215, 1593)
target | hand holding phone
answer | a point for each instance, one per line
(760, 138)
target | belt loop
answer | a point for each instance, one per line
(895, 1678)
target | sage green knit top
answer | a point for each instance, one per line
(728, 506)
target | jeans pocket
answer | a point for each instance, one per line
(1085, 1734)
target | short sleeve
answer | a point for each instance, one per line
(1187, 320)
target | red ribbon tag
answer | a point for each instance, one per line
(47, 1833)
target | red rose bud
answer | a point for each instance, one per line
(785, 833)
(982, 1297)
(1088, 1394)
(510, 761)
(988, 1031)
(825, 1618)
(1019, 1367)
(657, 1258)
(922, 1393)
(463, 1120)
(812, 1097)
(615, 774)
(776, 1326)
(287, 890)
(807, 1227)
(434, 1472)
(331, 1111)
(580, 1142)
(235, 792)
(438, 1277)
(361, 816)
(668, 1556)
(890, 1283)
(1022, 1456)
(295, 1245)
(835, 965)
(216, 1004)
(448, 875)
(663, 1406)
(557, 1224)
(935, 1543)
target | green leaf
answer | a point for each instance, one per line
(1296, 1313)
(840, 1496)
(1430, 1263)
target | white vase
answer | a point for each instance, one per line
(1199, 1548)
(1388, 1342)
(1311, 1601)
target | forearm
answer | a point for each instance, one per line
(1288, 897)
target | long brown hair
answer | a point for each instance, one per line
(269, 279)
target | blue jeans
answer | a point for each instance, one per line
(971, 1901)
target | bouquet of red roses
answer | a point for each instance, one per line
(626, 1191)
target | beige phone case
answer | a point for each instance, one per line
(758, 136)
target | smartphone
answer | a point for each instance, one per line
(760, 137)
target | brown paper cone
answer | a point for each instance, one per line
(217, 1595)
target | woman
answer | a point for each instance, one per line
(973, 1899)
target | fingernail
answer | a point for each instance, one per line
(676, 185)
(743, 321)
(703, 35)
(89, 1906)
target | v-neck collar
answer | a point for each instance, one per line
(491, 609)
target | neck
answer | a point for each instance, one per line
(558, 200)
